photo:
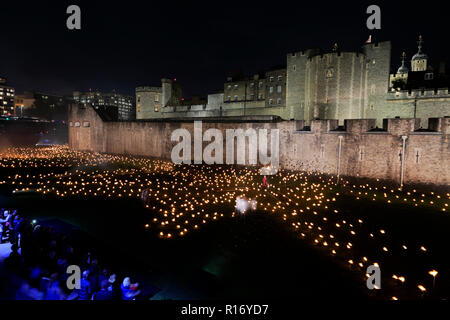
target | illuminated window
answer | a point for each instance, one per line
(279, 89)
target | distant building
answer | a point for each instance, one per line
(42, 105)
(319, 84)
(6, 98)
(152, 102)
(148, 102)
(23, 103)
(126, 107)
(259, 91)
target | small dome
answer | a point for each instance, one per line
(419, 56)
(402, 70)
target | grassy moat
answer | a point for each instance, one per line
(309, 236)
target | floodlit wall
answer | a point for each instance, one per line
(366, 151)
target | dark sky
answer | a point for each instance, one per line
(124, 44)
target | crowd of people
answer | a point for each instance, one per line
(40, 258)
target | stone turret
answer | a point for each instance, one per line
(419, 60)
(166, 91)
(403, 69)
(171, 93)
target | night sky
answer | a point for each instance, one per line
(124, 44)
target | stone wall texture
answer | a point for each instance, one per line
(365, 153)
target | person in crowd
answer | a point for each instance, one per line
(104, 275)
(129, 290)
(85, 291)
(53, 290)
(42, 263)
(94, 273)
(50, 263)
(35, 276)
(103, 293)
(14, 261)
(27, 292)
(10, 224)
(18, 223)
(114, 287)
(4, 223)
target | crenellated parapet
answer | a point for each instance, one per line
(418, 94)
(392, 126)
(441, 125)
(361, 148)
(148, 89)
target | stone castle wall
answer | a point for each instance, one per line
(365, 153)
(335, 85)
(428, 104)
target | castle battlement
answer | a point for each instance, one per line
(338, 54)
(362, 149)
(382, 44)
(315, 84)
(148, 89)
(417, 93)
(305, 53)
(400, 127)
(392, 126)
(441, 125)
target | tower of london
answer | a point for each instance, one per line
(317, 85)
